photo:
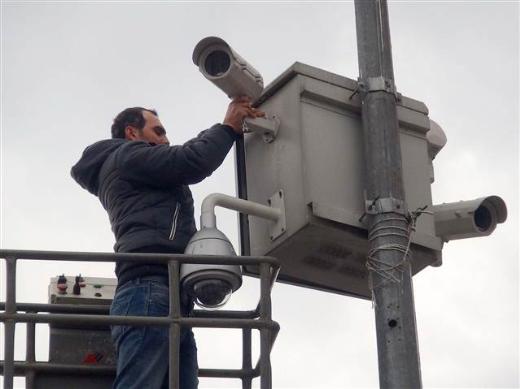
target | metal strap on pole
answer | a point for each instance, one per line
(389, 255)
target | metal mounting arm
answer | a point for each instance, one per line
(209, 220)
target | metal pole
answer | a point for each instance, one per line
(9, 324)
(388, 260)
(175, 328)
(241, 180)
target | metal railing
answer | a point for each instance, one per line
(259, 318)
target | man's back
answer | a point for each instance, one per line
(142, 182)
(144, 189)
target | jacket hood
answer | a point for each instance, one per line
(86, 170)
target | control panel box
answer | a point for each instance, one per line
(90, 290)
(80, 344)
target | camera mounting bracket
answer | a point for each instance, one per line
(267, 126)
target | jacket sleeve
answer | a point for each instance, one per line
(166, 166)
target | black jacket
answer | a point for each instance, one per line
(144, 188)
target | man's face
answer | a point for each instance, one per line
(152, 132)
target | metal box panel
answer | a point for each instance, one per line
(332, 140)
(317, 159)
(331, 256)
(80, 344)
(277, 166)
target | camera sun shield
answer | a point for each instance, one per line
(225, 68)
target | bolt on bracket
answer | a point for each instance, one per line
(267, 126)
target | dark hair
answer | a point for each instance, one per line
(129, 117)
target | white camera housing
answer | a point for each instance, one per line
(225, 68)
(469, 219)
(210, 285)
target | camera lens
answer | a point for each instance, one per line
(217, 63)
(483, 218)
(212, 294)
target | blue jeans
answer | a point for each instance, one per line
(142, 352)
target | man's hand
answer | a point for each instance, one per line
(239, 109)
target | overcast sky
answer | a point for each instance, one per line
(69, 67)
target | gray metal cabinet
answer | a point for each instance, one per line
(317, 164)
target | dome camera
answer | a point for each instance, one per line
(209, 285)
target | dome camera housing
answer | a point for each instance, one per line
(210, 285)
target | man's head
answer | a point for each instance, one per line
(139, 123)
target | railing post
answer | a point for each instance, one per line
(30, 353)
(265, 315)
(246, 356)
(174, 328)
(10, 308)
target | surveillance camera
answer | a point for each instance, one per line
(220, 64)
(210, 285)
(468, 219)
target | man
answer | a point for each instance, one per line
(142, 182)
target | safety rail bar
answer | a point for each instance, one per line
(259, 318)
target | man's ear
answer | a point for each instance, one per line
(131, 133)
